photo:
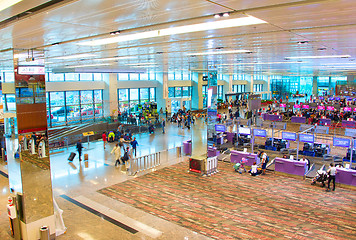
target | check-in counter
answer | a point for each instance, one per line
(325, 121)
(230, 136)
(212, 152)
(346, 176)
(236, 157)
(291, 167)
(187, 147)
(272, 117)
(348, 124)
(295, 119)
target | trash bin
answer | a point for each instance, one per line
(179, 151)
(44, 231)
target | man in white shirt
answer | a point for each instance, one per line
(332, 173)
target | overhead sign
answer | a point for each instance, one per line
(259, 133)
(306, 138)
(31, 70)
(289, 136)
(244, 131)
(341, 142)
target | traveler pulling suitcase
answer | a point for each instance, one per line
(71, 156)
(86, 157)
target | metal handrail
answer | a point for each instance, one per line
(144, 163)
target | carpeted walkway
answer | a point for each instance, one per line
(233, 206)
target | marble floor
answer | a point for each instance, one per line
(89, 214)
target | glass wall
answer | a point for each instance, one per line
(257, 87)
(241, 88)
(136, 76)
(176, 92)
(220, 92)
(179, 76)
(130, 98)
(60, 77)
(74, 107)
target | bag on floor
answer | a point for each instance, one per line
(237, 167)
(86, 156)
(71, 156)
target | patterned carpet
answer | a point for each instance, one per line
(233, 206)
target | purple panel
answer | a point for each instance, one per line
(325, 121)
(230, 136)
(346, 176)
(187, 148)
(298, 119)
(290, 166)
(272, 117)
(350, 124)
(236, 157)
(212, 152)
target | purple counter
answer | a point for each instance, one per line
(212, 152)
(230, 136)
(187, 147)
(290, 166)
(236, 157)
(298, 119)
(349, 124)
(346, 176)
(272, 117)
(325, 121)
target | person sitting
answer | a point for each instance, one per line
(254, 171)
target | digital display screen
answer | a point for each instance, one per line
(331, 99)
(306, 138)
(296, 106)
(321, 98)
(354, 109)
(341, 142)
(347, 109)
(305, 106)
(321, 107)
(283, 105)
(337, 98)
(330, 108)
(210, 94)
(220, 128)
(289, 136)
(244, 131)
(259, 133)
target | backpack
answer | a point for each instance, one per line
(267, 159)
(126, 156)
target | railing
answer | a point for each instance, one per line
(153, 160)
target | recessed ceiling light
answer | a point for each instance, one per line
(217, 16)
(303, 42)
(226, 14)
(218, 52)
(137, 64)
(115, 33)
(321, 48)
(114, 58)
(221, 24)
(84, 55)
(316, 57)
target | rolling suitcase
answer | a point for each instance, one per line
(86, 157)
(71, 156)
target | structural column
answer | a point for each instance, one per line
(315, 85)
(27, 151)
(197, 95)
(110, 96)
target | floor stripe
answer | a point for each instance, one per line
(4, 174)
(141, 227)
(107, 218)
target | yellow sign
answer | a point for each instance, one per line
(88, 133)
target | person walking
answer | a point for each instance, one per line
(104, 139)
(134, 145)
(126, 158)
(79, 149)
(117, 151)
(163, 125)
(332, 173)
(264, 161)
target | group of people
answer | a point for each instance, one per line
(184, 119)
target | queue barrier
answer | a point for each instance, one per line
(144, 163)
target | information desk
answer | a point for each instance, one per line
(212, 152)
(298, 119)
(187, 147)
(272, 117)
(325, 121)
(236, 157)
(346, 176)
(292, 167)
(349, 124)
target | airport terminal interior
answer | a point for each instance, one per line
(165, 119)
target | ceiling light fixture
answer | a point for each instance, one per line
(217, 16)
(89, 65)
(218, 52)
(115, 32)
(257, 63)
(114, 58)
(6, 4)
(226, 14)
(84, 55)
(235, 22)
(138, 64)
(317, 57)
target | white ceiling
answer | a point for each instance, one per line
(324, 24)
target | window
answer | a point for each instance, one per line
(57, 98)
(144, 76)
(186, 91)
(220, 91)
(57, 77)
(171, 92)
(71, 76)
(144, 95)
(129, 99)
(134, 94)
(123, 76)
(134, 76)
(86, 77)
(9, 76)
(239, 88)
(123, 95)
(98, 77)
(153, 94)
(178, 92)
(258, 87)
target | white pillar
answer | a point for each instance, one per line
(110, 96)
